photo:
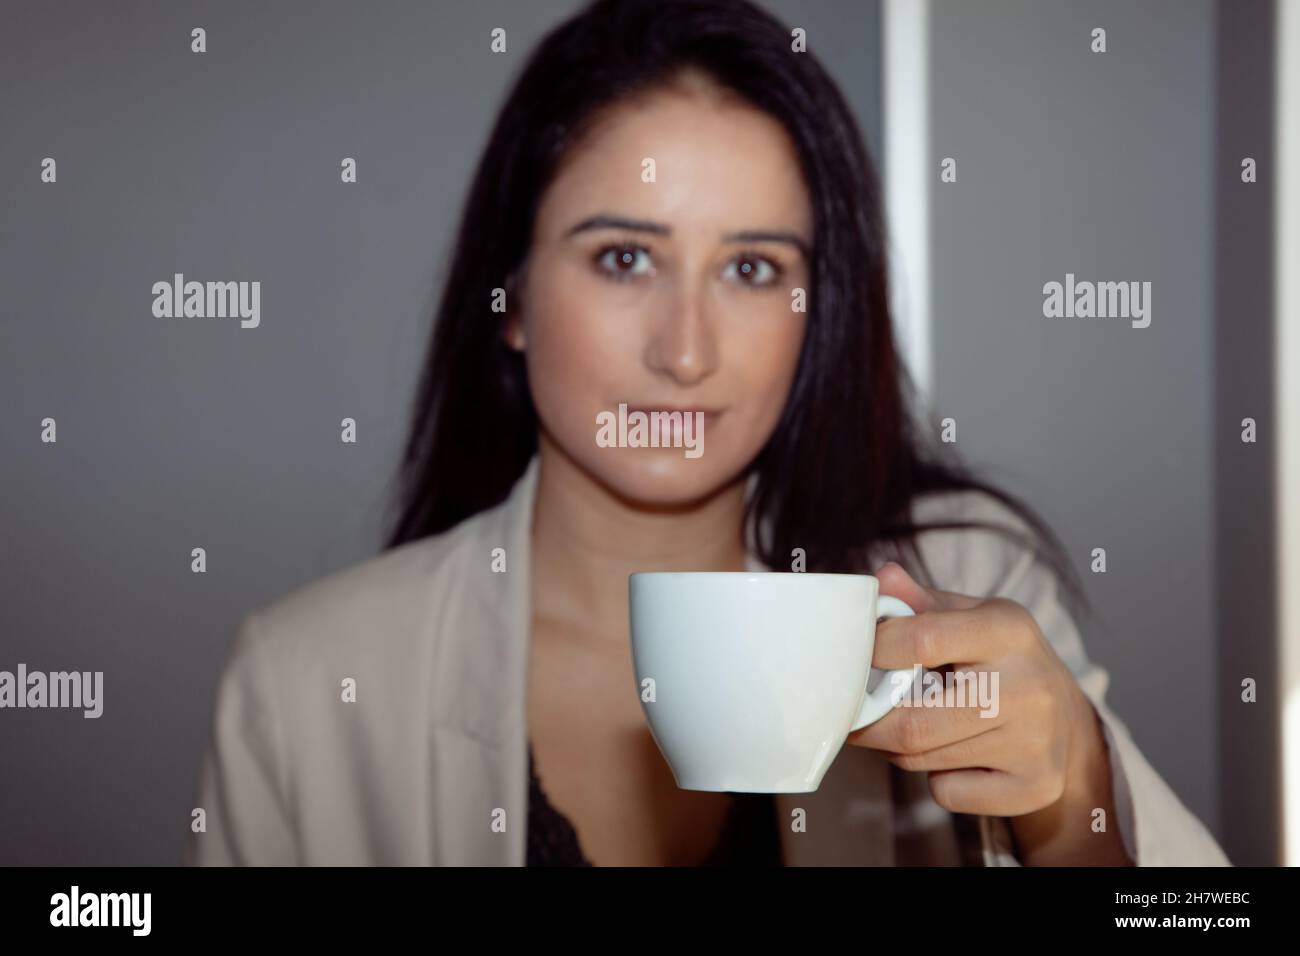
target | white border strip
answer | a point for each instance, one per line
(908, 173)
(1286, 377)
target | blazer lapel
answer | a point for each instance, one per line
(480, 745)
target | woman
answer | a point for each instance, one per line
(675, 211)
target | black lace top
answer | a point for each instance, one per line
(750, 836)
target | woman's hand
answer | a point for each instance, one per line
(1037, 756)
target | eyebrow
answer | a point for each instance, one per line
(607, 221)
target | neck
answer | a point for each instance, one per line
(587, 539)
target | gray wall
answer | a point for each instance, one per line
(1105, 165)
(180, 434)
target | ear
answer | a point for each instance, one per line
(512, 330)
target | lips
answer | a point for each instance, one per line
(669, 409)
(657, 426)
(705, 424)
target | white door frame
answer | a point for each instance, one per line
(908, 170)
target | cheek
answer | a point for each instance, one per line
(573, 353)
(771, 360)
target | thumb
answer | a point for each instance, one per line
(896, 582)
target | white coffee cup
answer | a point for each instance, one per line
(752, 680)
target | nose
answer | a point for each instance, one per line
(683, 343)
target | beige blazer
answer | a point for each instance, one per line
(411, 772)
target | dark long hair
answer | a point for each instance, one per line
(845, 460)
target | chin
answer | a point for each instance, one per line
(661, 476)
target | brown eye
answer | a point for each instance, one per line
(624, 262)
(753, 270)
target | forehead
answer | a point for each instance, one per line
(720, 164)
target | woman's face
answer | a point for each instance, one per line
(671, 293)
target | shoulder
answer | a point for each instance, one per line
(1002, 558)
(372, 603)
(994, 551)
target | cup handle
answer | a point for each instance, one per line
(896, 684)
